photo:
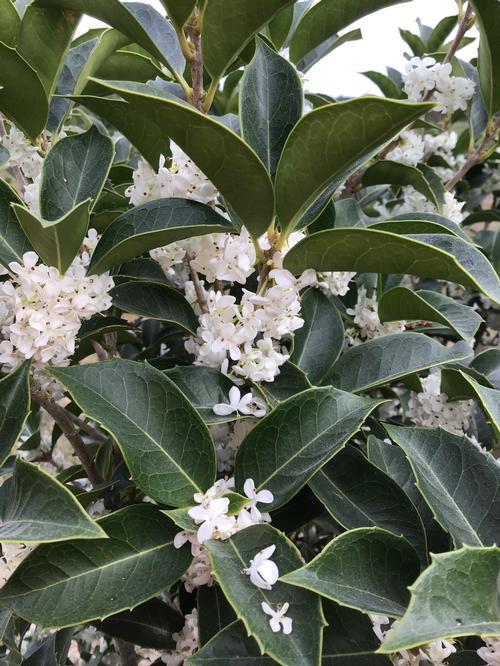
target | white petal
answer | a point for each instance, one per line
(234, 396)
(266, 553)
(286, 623)
(258, 581)
(205, 532)
(249, 488)
(180, 539)
(267, 609)
(198, 513)
(223, 409)
(264, 496)
(269, 572)
(275, 624)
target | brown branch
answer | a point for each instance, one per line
(202, 301)
(477, 156)
(86, 427)
(196, 65)
(60, 416)
(465, 24)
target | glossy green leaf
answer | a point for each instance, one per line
(214, 612)
(456, 596)
(318, 344)
(387, 358)
(439, 256)
(156, 301)
(271, 103)
(166, 445)
(204, 140)
(488, 398)
(140, 22)
(317, 54)
(14, 408)
(34, 507)
(229, 557)
(400, 303)
(9, 23)
(487, 363)
(279, 27)
(227, 29)
(459, 482)
(291, 443)
(56, 241)
(231, 645)
(334, 140)
(179, 10)
(30, 110)
(387, 172)
(325, 19)
(152, 225)
(204, 388)
(150, 625)
(358, 494)
(39, 29)
(426, 223)
(13, 242)
(137, 561)
(290, 381)
(385, 83)
(74, 170)
(488, 18)
(368, 569)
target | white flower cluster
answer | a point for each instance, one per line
(365, 316)
(431, 408)
(434, 653)
(41, 310)
(248, 333)
(248, 405)
(490, 653)
(25, 157)
(423, 76)
(410, 149)
(186, 641)
(336, 284)
(416, 202)
(227, 438)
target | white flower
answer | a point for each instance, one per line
(425, 75)
(260, 497)
(214, 521)
(410, 149)
(278, 619)
(262, 571)
(336, 283)
(490, 653)
(247, 404)
(365, 316)
(225, 257)
(452, 208)
(187, 641)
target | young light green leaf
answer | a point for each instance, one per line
(440, 256)
(9, 23)
(325, 19)
(387, 358)
(228, 558)
(488, 18)
(358, 494)
(456, 596)
(137, 561)
(227, 29)
(400, 303)
(271, 103)
(140, 22)
(334, 140)
(152, 225)
(30, 110)
(179, 10)
(166, 445)
(156, 301)
(368, 569)
(13, 242)
(204, 139)
(459, 482)
(387, 172)
(14, 408)
(291, 443)
(74, 170)
(56, 241)
(35, 507)
(318, 344)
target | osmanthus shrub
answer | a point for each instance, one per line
(250, 383)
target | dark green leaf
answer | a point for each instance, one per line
(14, 408)
(456, 596)
(385, 83)
(34, 507)
(387, 172)
(271, 102)
(401, 303)
(289, 445)
(50, 651)
(487, 363)
(166, 445)
(179, 10)
(214, 612)
(227, 29)
(56, 241)
(156, 301)
(136, 562)
(317, 54)
(387, 358)
(334, 140)
(318, 344)
(9, 23)
(231, 645)
(13, 242)
(290, 381)
(460, 483)
(358, 494)
(150, 625)
(488, 398)
(74, 170)
(228, 558)
(441, 33)
(439, 256)
(488, 18)
(30, 110)
(152, 225)
(368, 569)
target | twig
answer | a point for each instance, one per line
(464, 25)
(126, 653)
(196, 65)
(477, 156)
(60, 416)
(202, 302)
(89, 429)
